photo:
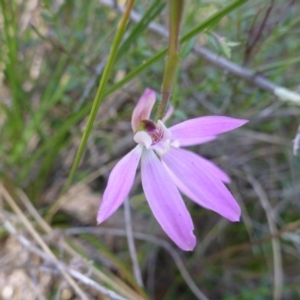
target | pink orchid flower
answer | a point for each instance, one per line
(165, 169)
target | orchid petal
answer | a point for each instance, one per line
(208, 166)
(185, 142)
(204, 126)
(165, 131)
(212, 168)
(166, 202)
(200, 183)
(143, 138)
(143, 108)
(119, 184)
(168, 113)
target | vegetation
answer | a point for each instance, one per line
(235, 59)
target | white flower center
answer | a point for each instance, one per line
(159, 139)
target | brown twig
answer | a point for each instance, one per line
(59, 266)
(152, 239)
(111, 280)
(251, 44)
(10, 201)
(247, 246)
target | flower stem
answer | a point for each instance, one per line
(96, 103)
(172, 62)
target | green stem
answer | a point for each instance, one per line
(172, 62)
(96, 103)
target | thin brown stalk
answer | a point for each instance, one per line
(111, 280)
(10, 201)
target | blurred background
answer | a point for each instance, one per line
(52, 54)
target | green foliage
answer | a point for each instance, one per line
(50, 69)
